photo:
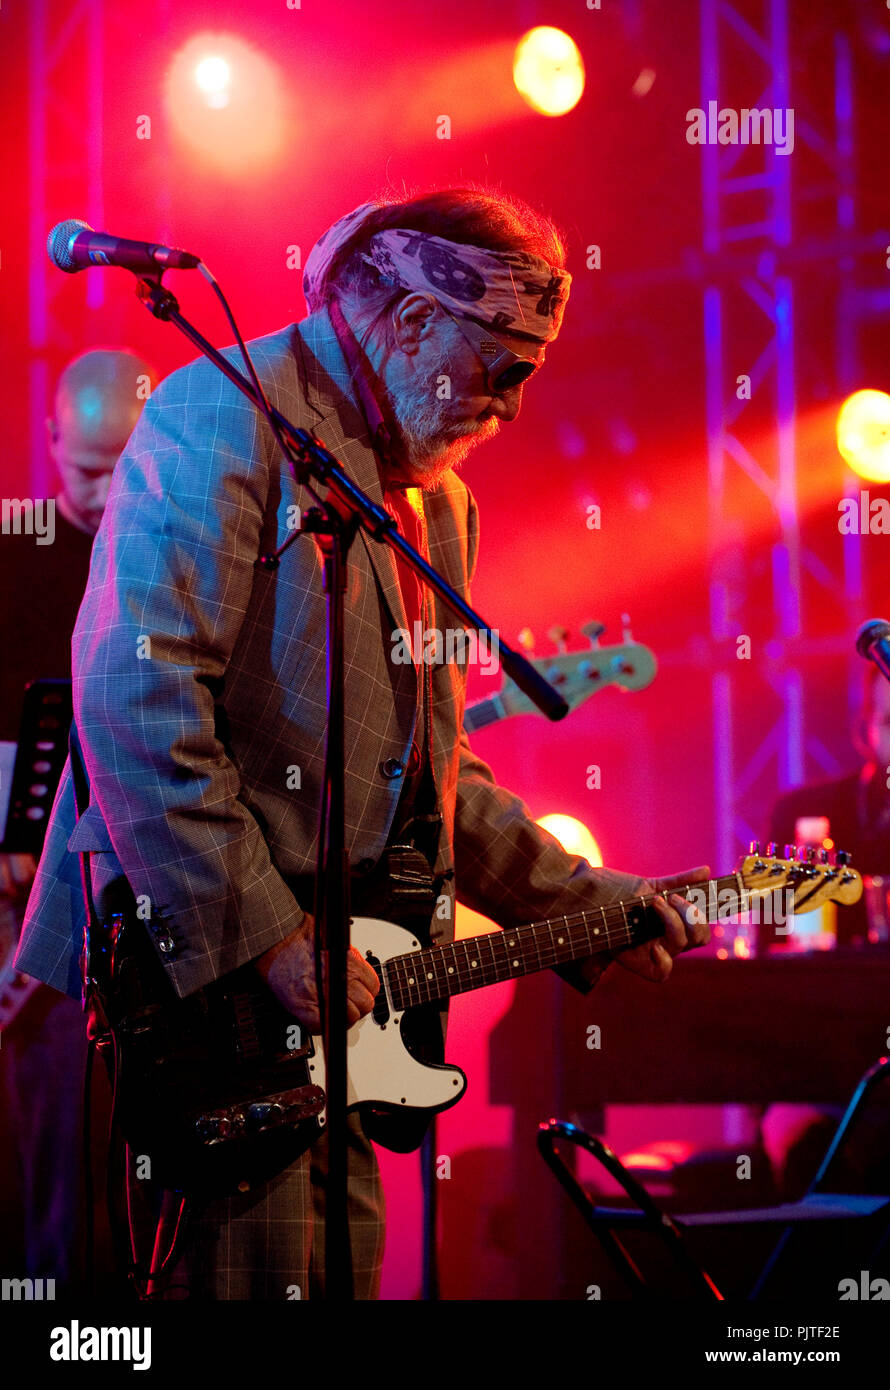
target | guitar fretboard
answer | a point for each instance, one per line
(441, 971)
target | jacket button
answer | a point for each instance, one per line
(392, 768)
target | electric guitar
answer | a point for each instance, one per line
(576, 675)
(382, 1071)
(219, 1084)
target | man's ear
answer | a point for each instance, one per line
(411, 318)
(52, 432)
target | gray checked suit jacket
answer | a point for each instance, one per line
(199, 691)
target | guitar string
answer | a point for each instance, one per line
(426, 990)
(531, 935)
(493, 972)
(578, 926)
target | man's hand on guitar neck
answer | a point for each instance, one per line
(685, 927)
(289, 971)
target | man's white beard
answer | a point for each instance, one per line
(428, 439)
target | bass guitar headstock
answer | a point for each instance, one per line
(577, 675)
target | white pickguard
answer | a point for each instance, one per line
(381, 1069)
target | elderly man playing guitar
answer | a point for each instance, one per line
(199, 678)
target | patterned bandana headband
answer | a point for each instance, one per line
(508, 291)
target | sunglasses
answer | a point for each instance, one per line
(503, 369)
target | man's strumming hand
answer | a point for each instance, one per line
(288, 968)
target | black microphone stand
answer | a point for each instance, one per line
(335, 524)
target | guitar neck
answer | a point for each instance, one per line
(442, 971)
(482, 713)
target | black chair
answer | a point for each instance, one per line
(852, 1184)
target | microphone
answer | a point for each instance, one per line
(73, 246)
(873, 642)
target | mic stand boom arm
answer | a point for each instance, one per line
(345, 509)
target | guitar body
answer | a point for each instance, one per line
(383, 1071)
(214, 1090)
(223, 1089)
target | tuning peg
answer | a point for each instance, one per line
(626, 634)
(790, 852)
(824, 856)
(592, 632)
(559, 635)
(754, 848)
(526, 639)
(772, 849)
(842, 857)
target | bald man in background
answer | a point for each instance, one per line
(98, 400)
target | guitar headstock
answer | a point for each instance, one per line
(811, 875)
(577, 675)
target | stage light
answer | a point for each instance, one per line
(226, 103)
(741, 947)
(644, 83)
(650, 1160)
(574, 837)
(863, 434)
(213, 76)
(662, 1156)
(548, 70)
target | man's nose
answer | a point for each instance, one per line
(506, 405)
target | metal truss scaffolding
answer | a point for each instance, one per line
(750, 263)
